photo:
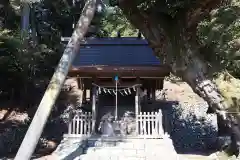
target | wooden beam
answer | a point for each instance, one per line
(105, 68)
(153, 92)
(73, 74)
(149, 74)
(110, 71)
(112, 84)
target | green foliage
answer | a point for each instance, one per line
(114, 21)
(230, 89)
(24, 64)
(167, 7)
(9, 48)
(24, 67)
(220, 35)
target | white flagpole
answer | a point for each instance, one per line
(116, 111)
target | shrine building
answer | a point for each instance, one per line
(117, 75)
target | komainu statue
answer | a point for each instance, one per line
(106, 125)
(128, 123)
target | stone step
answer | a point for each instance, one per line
(112, 151)
(126, 152)
(127, 157)
(99, 148)
(131, 149)
(126, 144)
(101, 143)
(110, 157)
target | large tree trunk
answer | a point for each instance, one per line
(171, 42)
(33, 25)
(25, 20)
(40, 118)
(195, 75)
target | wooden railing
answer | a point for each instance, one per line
(82, 124)
(149, 124)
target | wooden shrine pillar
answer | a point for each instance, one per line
(84, 95)
(148, 94)
(153, 93)
(91, 95)
(137, 106)
(137, 99)
(94, 108)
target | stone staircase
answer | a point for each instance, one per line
(128, 149)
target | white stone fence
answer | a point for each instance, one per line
(149, 124)
(82, 124)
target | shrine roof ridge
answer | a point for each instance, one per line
(110, 41)
(124, 51)
(115, 41)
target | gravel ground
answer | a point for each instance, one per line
(191, 129)
(192, 132)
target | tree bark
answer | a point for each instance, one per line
(183, 56)
(33, 25)
(25, 20)
(40, 118)
(195, 75)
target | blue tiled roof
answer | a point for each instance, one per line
(115, 52)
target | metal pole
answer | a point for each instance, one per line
(116, 111)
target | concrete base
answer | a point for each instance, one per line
(120, 148)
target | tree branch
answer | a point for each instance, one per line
(40, 118)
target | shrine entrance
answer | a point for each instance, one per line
(107, 103)
(107, 106)
(119, 103)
